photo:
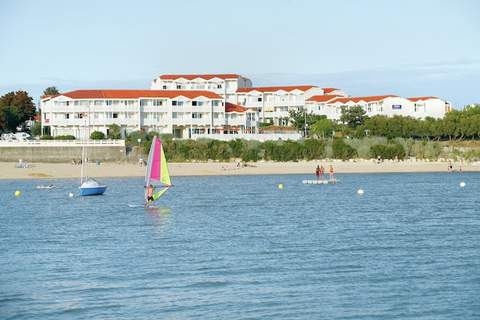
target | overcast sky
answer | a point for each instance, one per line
(409, 48)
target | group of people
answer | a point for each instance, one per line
(320, 172)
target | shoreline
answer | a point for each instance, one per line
(118, 170)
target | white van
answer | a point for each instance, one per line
(22, 136)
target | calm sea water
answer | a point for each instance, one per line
(240, 248)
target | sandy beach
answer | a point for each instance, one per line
(8, 170)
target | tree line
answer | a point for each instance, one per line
(456, 125)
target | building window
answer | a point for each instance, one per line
(174, 102)
(164, 87)
(115, 115)
(215, 103)
(67, 115)
(219, 86)
(179, 86)
(196, 115)
(157, 103)
(174, 115)
(259, 99)
(194, 103)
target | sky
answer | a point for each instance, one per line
(368, 47)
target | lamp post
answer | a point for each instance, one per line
(305, 123)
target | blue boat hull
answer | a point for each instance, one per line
(92, 191)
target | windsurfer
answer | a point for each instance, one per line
(150, 191)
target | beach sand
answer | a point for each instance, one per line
(65, 170)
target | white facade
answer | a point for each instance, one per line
(274, 103)
(388, 105)
(180, 113)
(222, 84)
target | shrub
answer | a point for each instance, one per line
(114, 132)
(314, 149)
(97, 135)
(341, 150)
(387, 151)
(46, 137)
(65, 137)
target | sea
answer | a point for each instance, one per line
(240, 247)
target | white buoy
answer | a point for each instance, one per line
(360, 191)
(17, 193)
(280, 186)
(70, 194)
(462, 184)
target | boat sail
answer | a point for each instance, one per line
(157, 170)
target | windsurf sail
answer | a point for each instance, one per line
(157, 170)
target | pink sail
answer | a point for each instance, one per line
(155, 169)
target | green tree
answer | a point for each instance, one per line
(97, 135)
(36, 129)
(300, 118)
(353, 116)
(15, 108)
(114, 132)
(9, 118)
(51, 91)
(322, 128)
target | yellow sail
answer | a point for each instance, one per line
(164, 173)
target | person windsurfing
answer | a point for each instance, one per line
(150, 191)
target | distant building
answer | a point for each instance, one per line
(386, 105)
(176, 112)
(274, 103)
(199, 105)
(222, 84)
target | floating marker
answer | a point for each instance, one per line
(70, 194)
(17, 193)
(360, 191)
(280, 186)
(462, 184)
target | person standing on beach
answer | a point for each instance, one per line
(322, 172)
(317, 172)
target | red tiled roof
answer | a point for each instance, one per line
(276, 88)
(421, 98)
(328, 90)
(201, 76)
(358, 99)
(324, 98)
(231, 107)
(135, 94)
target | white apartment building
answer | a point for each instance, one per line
(274, 103)
(386, 105)
(222, 84)
(181, 113)
(429, 107)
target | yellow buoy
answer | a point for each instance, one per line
(280, 186)
(17, 193)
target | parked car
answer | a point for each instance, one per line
(22, 136)
(8, 137)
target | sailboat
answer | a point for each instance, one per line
(157, 170)
(89, 186)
